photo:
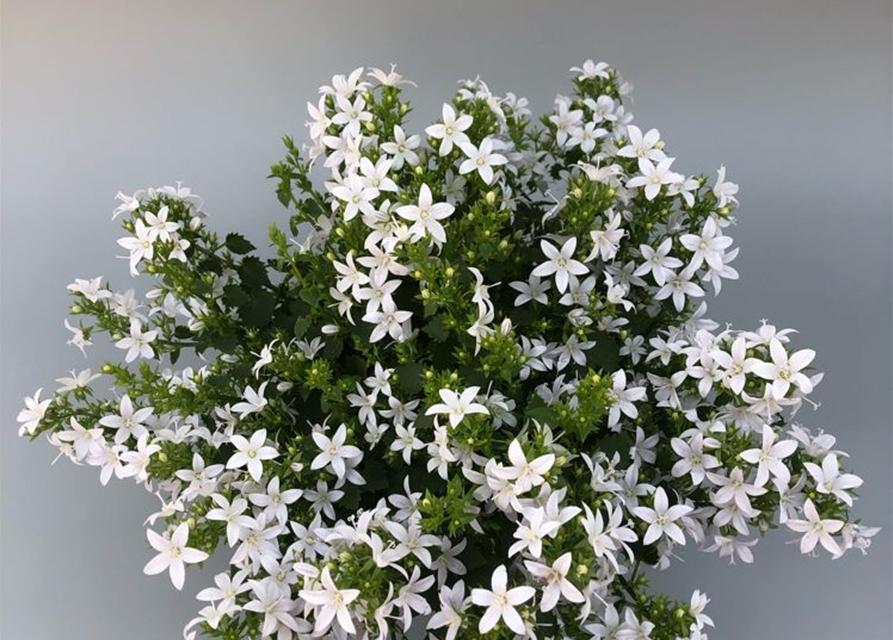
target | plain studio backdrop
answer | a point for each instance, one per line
(101, 95)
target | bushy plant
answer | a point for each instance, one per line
(474, 388)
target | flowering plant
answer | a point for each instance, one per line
(480, 392)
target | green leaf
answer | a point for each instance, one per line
(238, 244)
(543, 415)
(311, 296)
(253, 273)
(334, 347)
(410, 377)
(259, 311)
(437, 328)
(235, 296)
(301, 325)
(615, 443)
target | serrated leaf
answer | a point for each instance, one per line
(234, 296)
(311, 296)
(302, 324)
(259, 311)
(238, 244)
(409, 377)
(437, 328)
(253, 273)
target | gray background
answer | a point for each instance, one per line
(794, 97)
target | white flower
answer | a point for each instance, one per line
(330, 603)
(531, 531)
(785, 370)
(560, 262)
(481, 159)
(769, 457)
(815, 530)
(610, 626)
(534, 289)
(139, 343)
(173, 554)
(586, 136)
(501, 603)
(622, 399)
(633, 628)
(388, 322)
(452, 609)
(565, 120)
(129, 204)
(87, 443)
(605, 242)
(402, 149)
(351, 115)
(658, 261)
(662, 518)
(654, 176)
(426, 216)
(591, 70)
(679, 285)
(693, 459)
(380, 381)
(734, 489)
(406, 441)
(333, 451)
(358, 197)
(642, 146)
(251, 453)
(524, 474)
(272, 600)
(322, 498)
(708, 247)
(78, 339)
(254, 401)
(450, 131)
(140, 245)
(264, 358)
(557, 584)
(457, 406)
(91, 289)
(736, 364)
(136, 462)
(34, 411)
(159, 227)
(232, 514)
(724, 191)
(829, 480)
(274, 501)
(129, 422)
(731, 547)
(345, 86)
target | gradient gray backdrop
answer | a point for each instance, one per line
(101, 95)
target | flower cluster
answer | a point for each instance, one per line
(474, 390)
